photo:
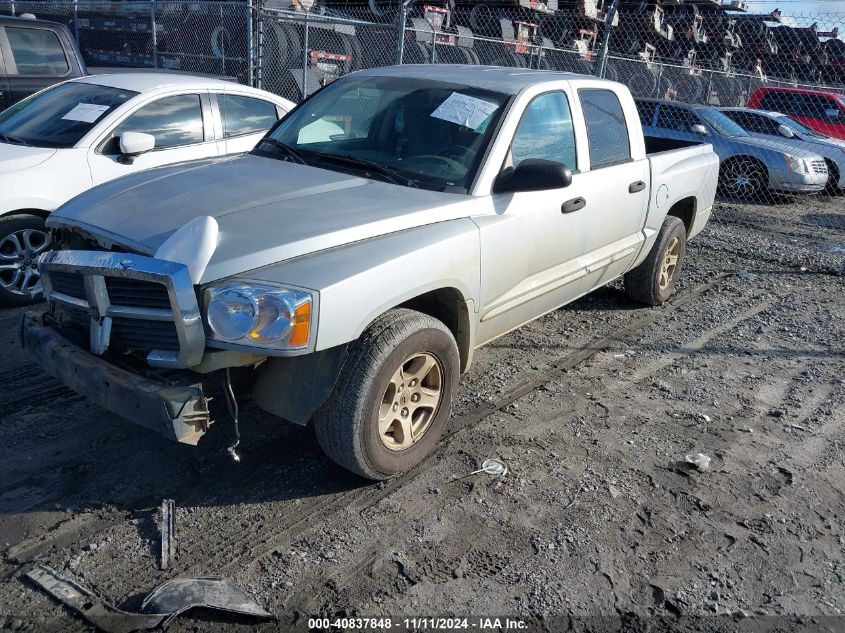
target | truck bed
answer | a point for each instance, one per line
(681, 170)
(656, 144)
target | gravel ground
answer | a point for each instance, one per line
(593, 408)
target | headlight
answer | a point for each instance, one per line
(259, 315)
(793, 163)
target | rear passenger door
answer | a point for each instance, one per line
(34, 59)
(243, 121)
(616, 185)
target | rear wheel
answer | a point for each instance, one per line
(393, 397)
(22, 240)
(654, 280)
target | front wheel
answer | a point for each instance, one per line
(22, 239)
(654, 280)
(394, 396)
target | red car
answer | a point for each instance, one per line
(821, 110)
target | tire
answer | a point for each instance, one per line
(646, 282)
(832, 188)
(22, 239)
(743, 177)
(348, 425)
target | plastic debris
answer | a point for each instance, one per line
(164, 603)
(699, 460)
(168, 539)
(494, 467)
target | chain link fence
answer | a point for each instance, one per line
(693, 66)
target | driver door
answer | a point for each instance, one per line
(531, 246)
(181, 125)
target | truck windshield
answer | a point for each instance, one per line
(414, 132)
(721, 123)
(59, 116)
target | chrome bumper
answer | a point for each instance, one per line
(179, 413)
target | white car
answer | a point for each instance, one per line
(81, 133)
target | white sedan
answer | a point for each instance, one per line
(84, 132)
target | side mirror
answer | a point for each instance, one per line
(785, 131)
(832, 113)
(533, 174)
(698, 129)
(133, 144)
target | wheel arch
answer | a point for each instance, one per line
(685, 210)
(41, 213)
(449, 306)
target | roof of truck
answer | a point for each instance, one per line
(496, 78)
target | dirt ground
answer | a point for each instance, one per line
(593, 408)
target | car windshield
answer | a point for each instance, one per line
(721, 123)
(795, 126)
(59, 116)
(413, 132)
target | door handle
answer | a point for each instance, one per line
(573, 205)
(636, 187)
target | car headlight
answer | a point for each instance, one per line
(793, 163)
(259, 315)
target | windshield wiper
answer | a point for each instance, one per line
(296, 156)
(388, 172)
(12, 139)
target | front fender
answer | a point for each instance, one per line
(360, 281)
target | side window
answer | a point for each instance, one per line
(764, 125)
(815, 106)
(673, 118)
(753, 122)
(607, 131)
(646, 111)
(174, 121)
(545, 131)
(777, 102)
(37, 51)
(245, 115)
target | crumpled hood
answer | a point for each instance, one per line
(267, 210)
(17, 157)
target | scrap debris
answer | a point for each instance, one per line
(495, 467)
(164, 603)
(168, 540)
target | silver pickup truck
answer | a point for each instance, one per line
(345, 270)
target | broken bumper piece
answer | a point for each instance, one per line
(164, 603)
(178, 412)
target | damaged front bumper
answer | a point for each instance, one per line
(179, 412)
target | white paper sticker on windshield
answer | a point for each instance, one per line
(86, 112)
(465, 110)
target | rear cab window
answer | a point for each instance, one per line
(607, 130)
(36, 51)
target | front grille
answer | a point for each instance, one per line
(68, 284)
(819, 166)
(127, 303)
(144, 336)
(137, 293)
